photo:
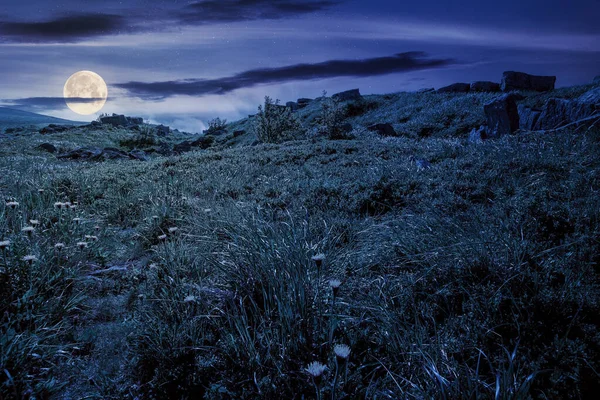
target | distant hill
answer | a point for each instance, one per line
(11, 118)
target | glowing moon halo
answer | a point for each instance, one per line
(84, 85)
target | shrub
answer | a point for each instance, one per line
(215, 125)
(331, 120)
(275, 123)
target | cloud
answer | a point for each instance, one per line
(78, 27)
(217, 11)
(64, 29)
(402, 62)
(45, 103)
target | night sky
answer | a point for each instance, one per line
(184, 62)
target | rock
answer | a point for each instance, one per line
(426, 90)
(162, 130)
(596, 79)
(239, 133)
(590, 97)
(292, 105)
(485, 86)
(478, 135)
(138, 155)
(303, 102)
(50, 148)
(528, 117)
(455, 88)
(347, 128)
(114, 120)
(353, 94)
(560, 112)
(502, 116)
(421, 163)
(135, 120)
(521, 81)
(383, 129)
(53, 128)
(95, 154)
(203, 142)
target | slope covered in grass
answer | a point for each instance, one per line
(195, 276)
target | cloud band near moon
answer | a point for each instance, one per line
(402, 62)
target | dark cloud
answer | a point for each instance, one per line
(63, 29)
(45, 103)
(214, 11)
(402, 62)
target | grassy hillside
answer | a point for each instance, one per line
(213, 274)
(11, 118)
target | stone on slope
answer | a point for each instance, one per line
(596, 79)
(292, 105)
(303, 102)
(590, 97)
(560, 112)
(528, 117)
(163, 130)
(485, 86)
(426, 90)
(383, 129)
(53, 128)
(353, 94)
(502, 116)
(455, 88)
(512, 80)
(477, 135)
(50, 148)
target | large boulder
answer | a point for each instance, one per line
(596, 79)
(502, 116)
(485, 86)
(560, 112)
(49, 147)
(353, 94)
(203, 142)
(591, 97)
(303, 102)
(292, 105)
(53, 128)
(383, 129)
(455, 88)
(114, 120)
(528, 117)
(512, 80)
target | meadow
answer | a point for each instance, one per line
(310, 268)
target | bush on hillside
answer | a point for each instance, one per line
(275, 123)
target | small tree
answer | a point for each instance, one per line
(332, 118)
(275, 123)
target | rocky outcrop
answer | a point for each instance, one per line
(239, 133)
(292, 105)
(426, 90)
(485, 86)
(528, 117)
(596, 79)
(383, 129)
(96, 154)
(512, 80)
(502, 116)
(455, 88)
(121, 120)
(353, 94)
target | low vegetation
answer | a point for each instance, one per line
(307, 268)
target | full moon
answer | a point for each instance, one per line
(84, 85)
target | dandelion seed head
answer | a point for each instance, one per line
(342, 351)
(162, 237)
(189, 299)
(4, 244)
(82, 245)
(173, 229)
(59, 246)
(335, 283)
(316, 369)
(12, 204)
(59, 205)
(318, 257)
(29, 258)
